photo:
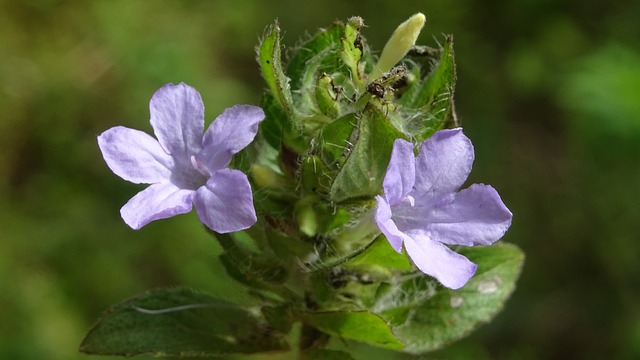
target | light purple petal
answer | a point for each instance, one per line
(401, 172)
(432, 258)
(177, 117)
(158, 201)
(386, 224)
(444, 162)
(229, 133)
(135, 156)
(225, 203)
(474, 216)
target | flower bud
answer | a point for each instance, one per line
(266, 178)
(402, 39)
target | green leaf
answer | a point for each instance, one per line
(352, 48)
(270, 61)
(380, 257)
(180, 322)
(319, 51)
(362, 173)
(334, 140)
(361, 326)
(426, 317)
(248, 260)
(279, 125)
(275, 122)
(432, 96)
(310, 59)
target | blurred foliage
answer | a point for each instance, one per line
(547, 90)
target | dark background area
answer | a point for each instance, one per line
(548, 91)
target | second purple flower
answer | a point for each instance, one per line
(422, 210)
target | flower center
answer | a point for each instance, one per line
(189, 175)
(202, 169)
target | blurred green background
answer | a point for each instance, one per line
(549, 92)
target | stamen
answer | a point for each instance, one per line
(410, 200)
(199, 166)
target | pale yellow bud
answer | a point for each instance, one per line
(266, 178)
(403, 38)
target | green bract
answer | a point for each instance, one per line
(315, 260)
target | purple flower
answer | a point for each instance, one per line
(183, 166)
(422, 210)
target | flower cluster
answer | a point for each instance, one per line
(351, 160)
(420, 209)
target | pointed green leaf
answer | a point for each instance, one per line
(381, 257)
(248, 260)
(361, 326)
(364, 170)
(279, 126)
(316, 53)
(275, 120)
(441, 79)
(269, 57)
(431, 95)
(334, 140)
(310, 59)
(180, 322)
(352, 49)
(426, 316)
